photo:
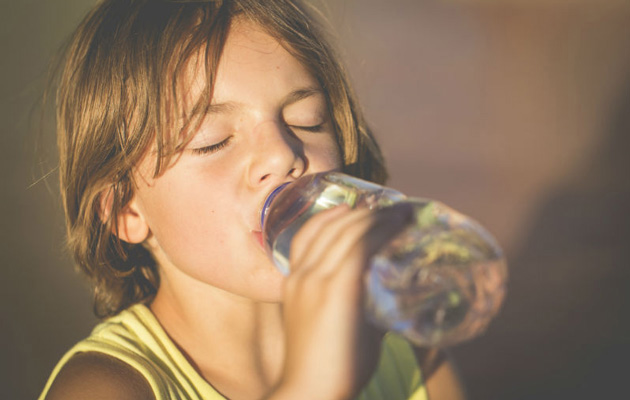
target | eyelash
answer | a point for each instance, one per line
(212, 148)
(218, 146)
(314, 129)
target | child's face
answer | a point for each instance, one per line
(269, 124)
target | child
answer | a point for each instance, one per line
(175, 120)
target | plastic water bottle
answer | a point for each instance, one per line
(439, 282)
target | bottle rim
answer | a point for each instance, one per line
(268, 201)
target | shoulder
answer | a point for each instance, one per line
(93, 375)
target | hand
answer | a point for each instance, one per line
(330, 350)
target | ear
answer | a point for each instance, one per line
(130, 225)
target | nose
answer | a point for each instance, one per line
(278, 154)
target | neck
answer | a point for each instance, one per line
(219, 331)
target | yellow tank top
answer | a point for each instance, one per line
(136, 337)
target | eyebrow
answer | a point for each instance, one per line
(221, 108)
(300, 94)
(291, 98)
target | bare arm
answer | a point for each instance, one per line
(441, 377)
(98, 376)
(331, 351)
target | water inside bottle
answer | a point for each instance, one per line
(438, 282)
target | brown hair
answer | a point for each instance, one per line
(117, 96)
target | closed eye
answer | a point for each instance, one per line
(315, 128)
(213, 147)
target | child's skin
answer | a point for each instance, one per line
(249, 331)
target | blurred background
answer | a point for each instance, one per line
(516, 112)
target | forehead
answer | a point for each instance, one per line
(251, 60)
(247, 42)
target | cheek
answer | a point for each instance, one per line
(323, 154)
(180, 215)
(194, 237)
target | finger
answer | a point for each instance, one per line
(306, 234)
(313, 240)
(358, 242)
(328, 240)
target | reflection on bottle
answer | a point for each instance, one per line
(438, 282)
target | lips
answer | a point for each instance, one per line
(258, 237)
(266, 200)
